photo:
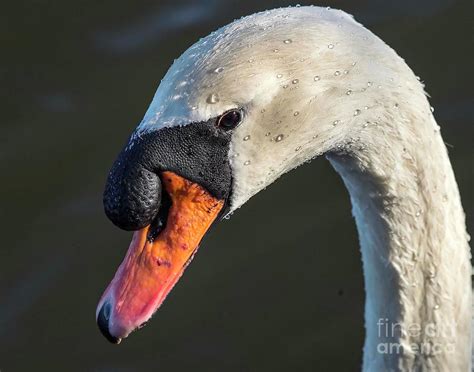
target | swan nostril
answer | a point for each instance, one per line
(103, 323)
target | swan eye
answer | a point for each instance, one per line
(229, 120)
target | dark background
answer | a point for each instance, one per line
(278, 287)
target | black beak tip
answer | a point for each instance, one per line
(103, 323)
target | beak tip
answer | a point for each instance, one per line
(103, 317)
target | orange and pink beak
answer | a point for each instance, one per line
(153, 265)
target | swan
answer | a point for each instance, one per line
(261, 96)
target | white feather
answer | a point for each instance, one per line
(313, 81)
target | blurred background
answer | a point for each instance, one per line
(75, 78)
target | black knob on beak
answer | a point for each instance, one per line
(197, 152)
(132, 195)
(103, 323)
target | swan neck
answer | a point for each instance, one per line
(416, 257)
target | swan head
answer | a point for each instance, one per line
(238, 109)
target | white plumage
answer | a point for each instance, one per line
(313, 81)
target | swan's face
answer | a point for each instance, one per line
(234, 112)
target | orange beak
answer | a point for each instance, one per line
(152, 267)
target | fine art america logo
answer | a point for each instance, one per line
(435, 339)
